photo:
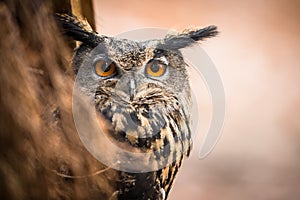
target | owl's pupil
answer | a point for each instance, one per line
(155, 67)
(105, 67)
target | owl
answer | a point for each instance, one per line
(142, 90)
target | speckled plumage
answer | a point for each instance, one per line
(153, 117)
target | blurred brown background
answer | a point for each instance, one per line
(257, 55)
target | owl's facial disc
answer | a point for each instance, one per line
(130, 81)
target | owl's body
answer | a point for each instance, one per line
(142, 90)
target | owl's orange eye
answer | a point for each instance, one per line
(104, 68)
(156, 68)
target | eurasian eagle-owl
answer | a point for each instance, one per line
(142, 89)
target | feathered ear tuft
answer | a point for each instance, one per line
(200, 34)
(188, 37)
(79, 30)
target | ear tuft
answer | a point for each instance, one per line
(200, 34)
(79, 30)
(187, 38)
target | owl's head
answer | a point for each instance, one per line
(132, 66)
(135, 77)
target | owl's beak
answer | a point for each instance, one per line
(132, 88)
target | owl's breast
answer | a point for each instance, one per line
(150, 124)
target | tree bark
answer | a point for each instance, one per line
(41, 154)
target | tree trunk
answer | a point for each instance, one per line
(41, 154)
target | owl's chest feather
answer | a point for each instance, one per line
(149, 126)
